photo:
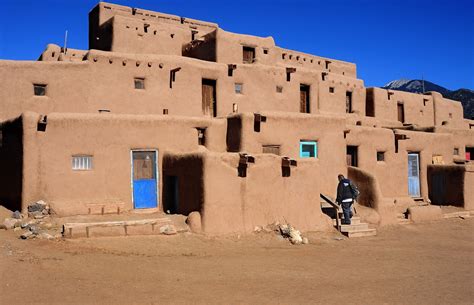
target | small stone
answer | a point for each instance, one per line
(3, 227)
(47, 225)
(194, 222)
(17, 229)
(257, 229)
(27, 235)
(16, 215)
(168, 230)
(305, 241)
(45, 235)
(9, 223)
(34, 229)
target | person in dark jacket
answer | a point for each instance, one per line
(346, 193)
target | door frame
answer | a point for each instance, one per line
(418, 154)
(157, 175)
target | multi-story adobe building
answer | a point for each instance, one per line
(175, 114)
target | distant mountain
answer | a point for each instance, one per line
(465, 96)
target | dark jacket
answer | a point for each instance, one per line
(345, 190)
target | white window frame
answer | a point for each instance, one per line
(82, 162)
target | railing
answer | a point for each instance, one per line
(336, 209)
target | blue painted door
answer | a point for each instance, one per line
(144, 178)
(414, 175)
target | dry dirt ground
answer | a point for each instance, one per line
(413, 264)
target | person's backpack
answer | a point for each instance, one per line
(355, 191)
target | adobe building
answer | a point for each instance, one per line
(174, 114)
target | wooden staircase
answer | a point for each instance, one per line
(355, 229)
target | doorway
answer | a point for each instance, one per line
(304, 99)
(144, 179)
(400, 112)
(414, 175)
(171, 194)
(209, 97)
(351, 156)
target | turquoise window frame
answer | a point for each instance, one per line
(305, 154)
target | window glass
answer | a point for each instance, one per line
(308, 149)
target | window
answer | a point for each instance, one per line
(351, 156)
(304, 99)
(248, 55)
(380, 156)
(81, 162)
(279, 89)
(265, 51)
(348, 102)
(308, 149)
(271, 149)
(456, 151)
(331, 89)
(469, 153)
(139, 83)
(201, 136)
(239, 88)
(39, 90)
(400, 112)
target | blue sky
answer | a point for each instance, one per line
(386, 39)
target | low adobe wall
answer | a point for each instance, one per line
(451, 185)
(237, 204)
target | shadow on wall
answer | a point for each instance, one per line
(445, 184)
(182, 184)
(11, 164)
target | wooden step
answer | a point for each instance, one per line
(361, 233)
(354, 227)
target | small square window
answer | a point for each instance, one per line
(331, 89)
(456, 151)
(265, 51)
(239, 88)
(308, 149)
(39, 90)
(139, 83)
(380, 156)
(279, 89)
(82, 162)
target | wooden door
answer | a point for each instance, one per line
(401, 112)
(144, 179)
(304, 99)
(209, 97)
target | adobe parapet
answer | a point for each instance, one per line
(124, 29)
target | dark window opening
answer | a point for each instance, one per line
(400, 112)
(248, 55)
(331, 89)
(380, 156)
(308, 149)
(139, 83)
(456, 151)
(39, 90)
(323, 76)
(304, 99)
(469, 153)
(145, 27)
(370, 104)
(265, 51)
(193, 34)
(348, 102)
(279, 89)
(201, 136)
(271, 149)
(425, 101)
(351, 156)
(327, 64)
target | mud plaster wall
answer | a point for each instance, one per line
(287, 130)
(237, 204)
(106, 81)
(11, 163)
(461, 139)
(448, 112)
(109, 139)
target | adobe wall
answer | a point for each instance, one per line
(461, 138)
(448, 112)
(101, 30)
(106, 81)
(286, 130)
(109, 139)
(238, 204)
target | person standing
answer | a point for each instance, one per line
(347, 192)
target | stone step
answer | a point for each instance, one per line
(118, 228)
(354, 227)
(361, 233)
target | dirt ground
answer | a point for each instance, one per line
(413, 264)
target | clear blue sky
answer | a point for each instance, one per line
(386, 39)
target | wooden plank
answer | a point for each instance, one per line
(77, 225)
